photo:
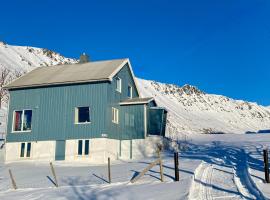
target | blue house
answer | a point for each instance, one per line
(81, 112)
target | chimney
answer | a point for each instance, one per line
(84, 58)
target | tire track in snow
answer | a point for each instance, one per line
(213, 182)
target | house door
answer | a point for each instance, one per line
(157, 121)
(60, 148)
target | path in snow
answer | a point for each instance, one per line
(223, 174)
(213, 182)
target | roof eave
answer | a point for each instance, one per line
(55, 84)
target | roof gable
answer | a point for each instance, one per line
(70, 74)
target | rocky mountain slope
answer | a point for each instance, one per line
(24, 58)
(190, 110)
(193, 111)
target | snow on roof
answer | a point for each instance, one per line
(136, 101)
(70, 73)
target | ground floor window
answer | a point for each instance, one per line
(83, 147)
(25, 149)
(22, 120)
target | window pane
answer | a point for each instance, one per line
(118, 84)
(86, 147)
(28, 149)
(27, 120)
(116, 118)
(129, 91)
(84, 114)
(18, 121)
(80, 147)
(22, 149)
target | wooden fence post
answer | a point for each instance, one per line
(12, 180)
(266, 165)
(109, 170)
(161, 167)
(176, 166)
(54, 175)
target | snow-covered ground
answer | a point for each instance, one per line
(213, 167)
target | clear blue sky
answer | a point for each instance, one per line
(222, 46)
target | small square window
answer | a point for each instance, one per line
(82, 115)
(118, 84)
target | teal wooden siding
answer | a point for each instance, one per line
(53, 112)
(121, 131)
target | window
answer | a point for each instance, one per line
(129, 92)
(115, 117)
(25, 152)
(83, 147)
(118, 84)
(22, 120)
(82, 115)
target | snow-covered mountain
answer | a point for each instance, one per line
(190, 110)
(193, 111)
(24, 58)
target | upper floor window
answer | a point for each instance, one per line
(118, 84)
(115, 117)
(22, 120)
(82, 115)
(129, 91)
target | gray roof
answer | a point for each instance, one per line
(71, 73)
(136, 100)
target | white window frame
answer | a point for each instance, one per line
(115, 115)
(13, 120)
(83, 148)
(76, 117)
(25, 150)
(131, 91)
(120, 84)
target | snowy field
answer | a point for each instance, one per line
(213, 167)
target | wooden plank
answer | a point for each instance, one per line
(145, 170)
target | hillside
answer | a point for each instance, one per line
(190, 110)
(193, 111)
